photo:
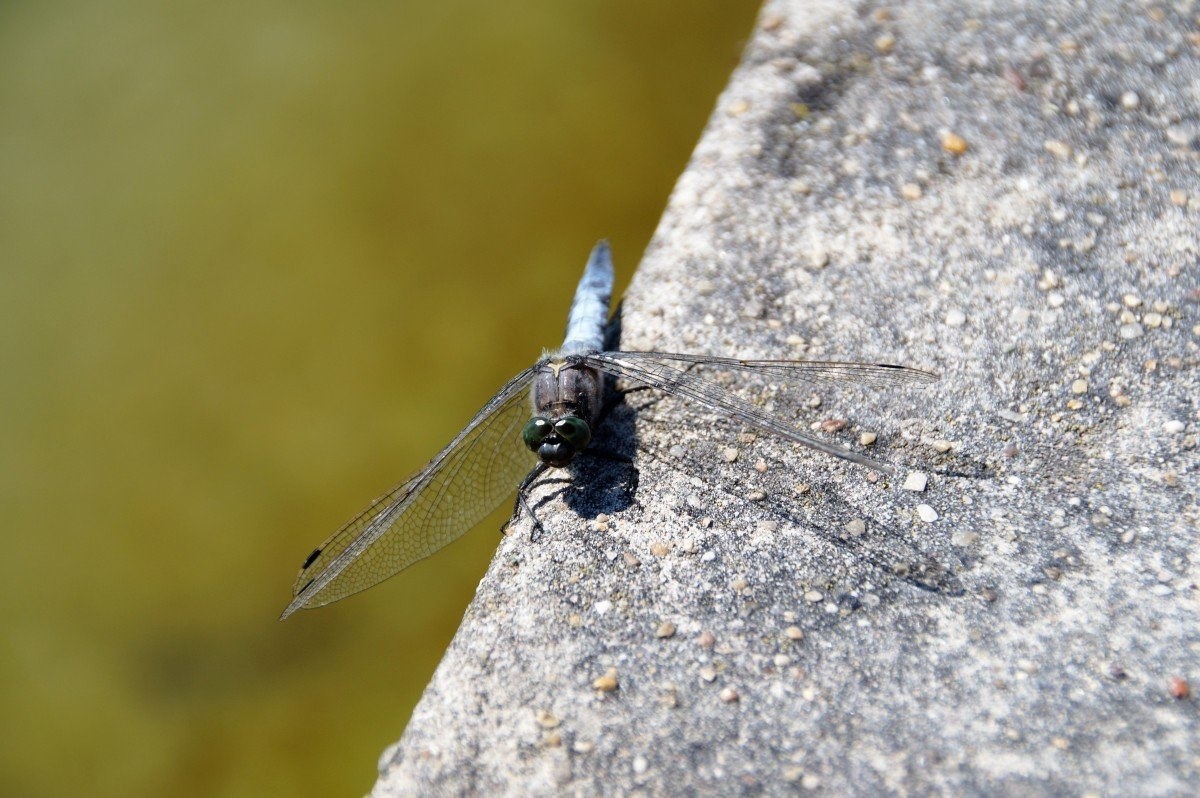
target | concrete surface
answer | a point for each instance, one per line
(1006, 193)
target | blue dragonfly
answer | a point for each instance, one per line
(509, 444)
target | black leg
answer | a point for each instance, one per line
(521, 503)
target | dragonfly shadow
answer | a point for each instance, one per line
(604, 477)
(823, 511)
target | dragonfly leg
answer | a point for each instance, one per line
(521, 503)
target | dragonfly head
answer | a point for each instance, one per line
(556, 442)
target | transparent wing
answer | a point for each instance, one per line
(454, 492)
(669, 373)
(810, 371)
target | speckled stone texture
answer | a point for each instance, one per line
(1006, 193)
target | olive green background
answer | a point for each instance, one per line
(260, 260)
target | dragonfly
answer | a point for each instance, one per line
(542, 419)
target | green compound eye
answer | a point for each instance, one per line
(575, 431)
(535, 431)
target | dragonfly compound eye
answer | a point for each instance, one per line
(575, 431)
(536, 430)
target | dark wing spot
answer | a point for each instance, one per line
(309, 560)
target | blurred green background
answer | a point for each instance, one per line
(260, 260)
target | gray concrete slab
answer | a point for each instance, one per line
(1006, 193)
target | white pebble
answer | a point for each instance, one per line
(1130, 331)
(916, 481)
(1172, 427)
(955, 318)
(927, 513)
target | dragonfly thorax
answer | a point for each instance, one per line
(566, 404)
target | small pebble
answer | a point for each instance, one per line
(602, 607)
(1079, 386)
(1055, 299)
(665, 629)
(941, 445)
(1179, 687)
(1152, 320)
(729, 695)
(708, 673)
(705, 639)
(910, 191)
(737, 108)
(1131, 300)
(885, 43)
(1130, 100)
(1130, 331)
(916, 481)
(1179, 136)
(955, 318)
(640, 764)
(794, 633)
(867, 438)
(818, 259)
(606, 683)
(813, 596)
(1173, 427)
(1049, 280)
(1178, 197)
(927, 513)
(546, 720)
(730, 454)
(1059, 149)
(855, 527)
(659, 549)
(954, 143)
